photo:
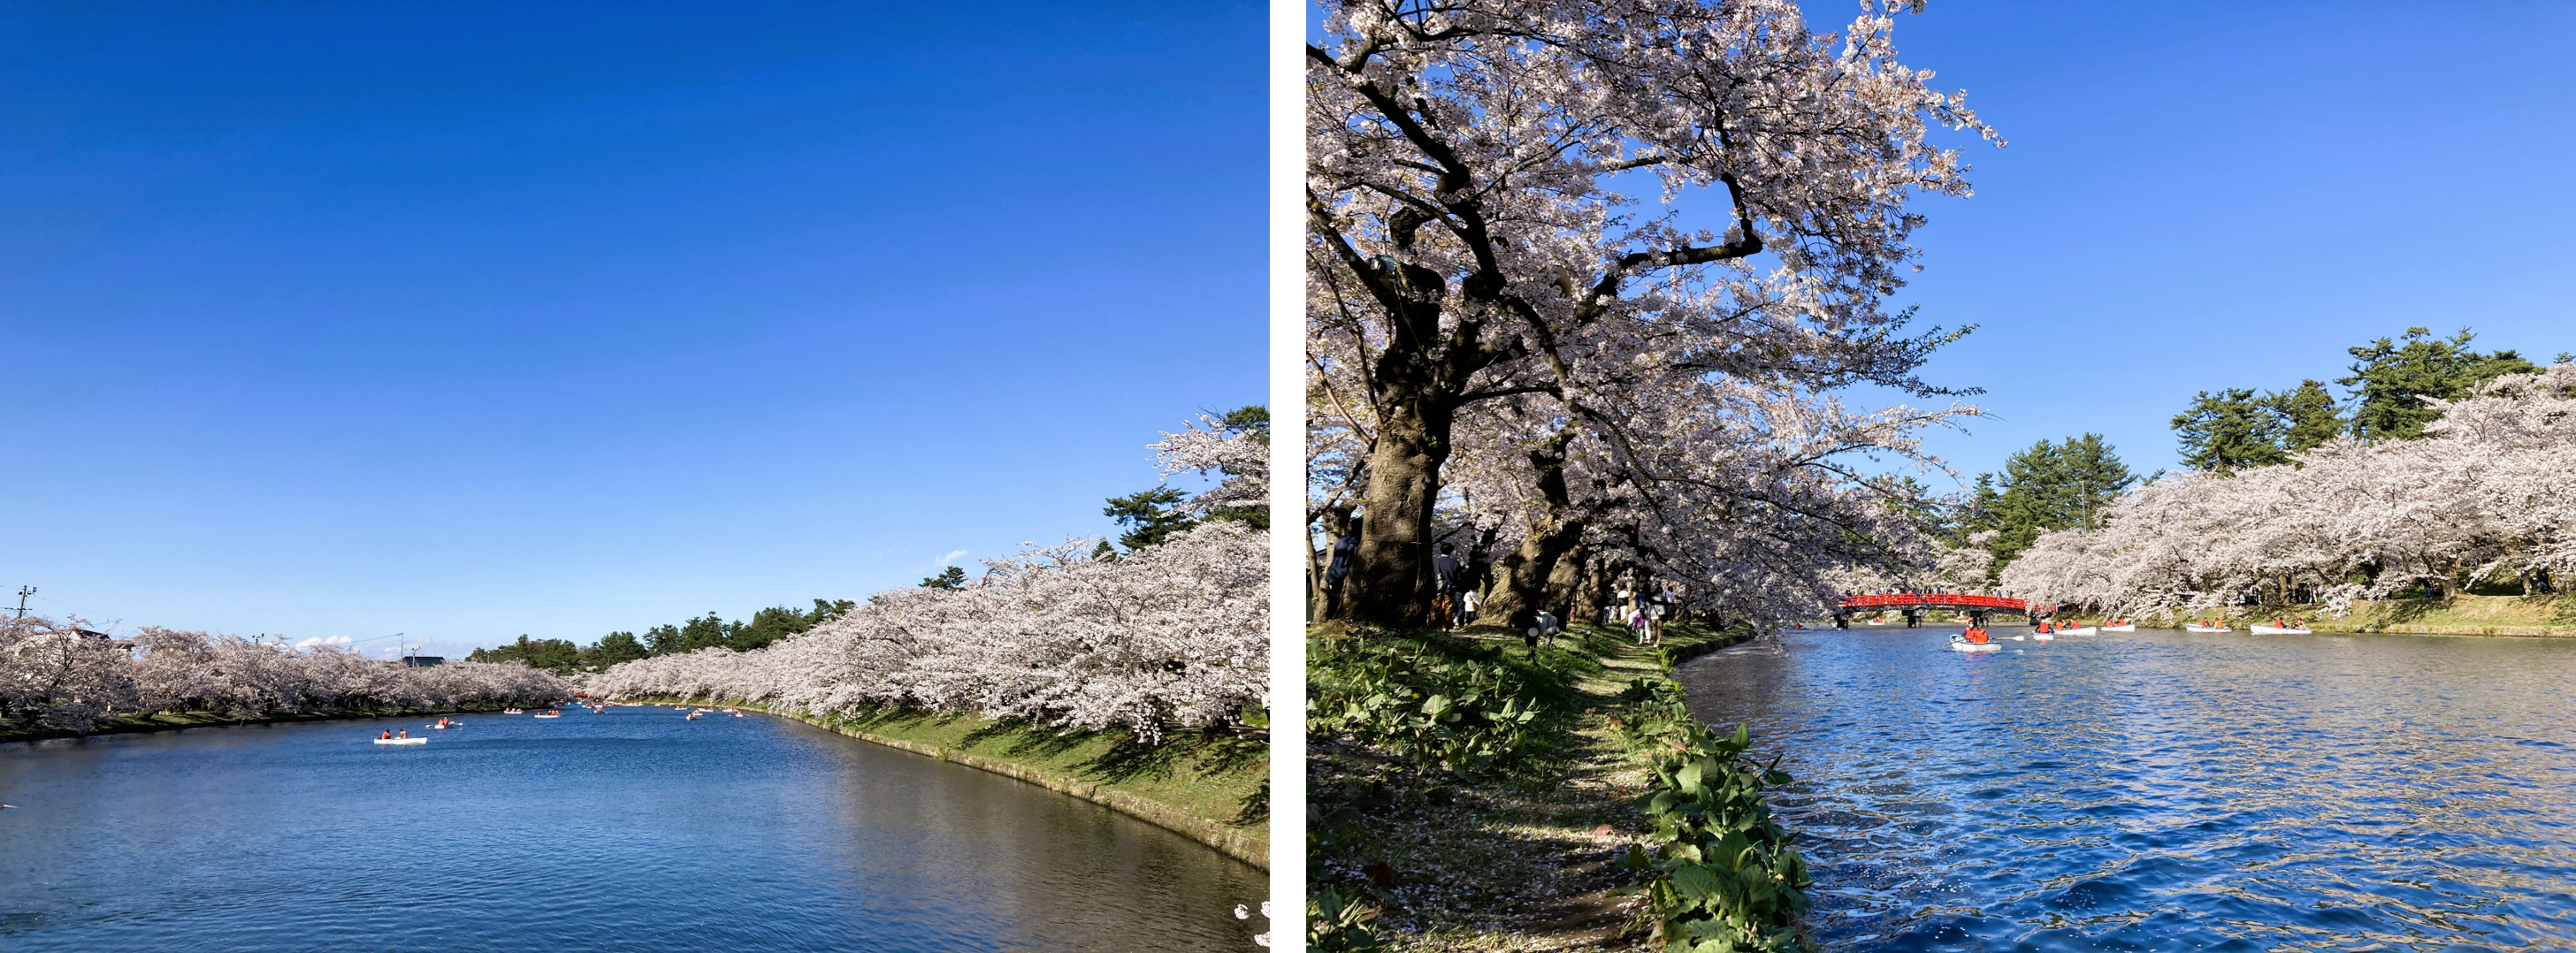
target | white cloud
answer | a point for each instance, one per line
(946, 560)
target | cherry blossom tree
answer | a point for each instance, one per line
(2485, 495)
(1171, 635)
(68, 676)
(1239, 456)
(1474, 238)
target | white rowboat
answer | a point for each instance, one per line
(2203, 628)
(2039, 637)
(2131, 627)
(1976, 647)
(2279, 630)
(402, 741)
(2087, 630)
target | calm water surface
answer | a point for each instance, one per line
(631, 830)
(2165, 791)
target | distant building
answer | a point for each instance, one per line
(423, 661)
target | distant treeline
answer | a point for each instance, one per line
(2053, 486)
(1149, 516)
(562, 656)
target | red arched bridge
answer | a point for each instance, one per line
(1914, 604)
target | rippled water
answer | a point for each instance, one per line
(2159, 790)
(631, 830)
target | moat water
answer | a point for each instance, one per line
(2160, 790)
(629, 830)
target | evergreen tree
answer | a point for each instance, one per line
(2310, 414)
(559, 656)
(611, 649)
(1150, 516)
(2049, 486)
(951, 578)
(2231, 431)
(709, 632)
(2390, 380)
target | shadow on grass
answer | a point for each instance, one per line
(2401, 611)
(1254, 808)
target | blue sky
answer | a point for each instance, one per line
(2201, 195)
(473, 320)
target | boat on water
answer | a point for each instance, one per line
(402, 741)
(2188, 627)
(514, 711)
(2039, 637)
(2279, 630)
(2122, 627)
(1963, 645)
(549, 713)
(2087, 630)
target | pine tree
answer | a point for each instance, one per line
(2391, 379)
(2049, 486)
(2310, 413)
(2231, 431)
(1150, 515)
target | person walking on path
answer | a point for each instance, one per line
(1345, 551)
(1444, 580)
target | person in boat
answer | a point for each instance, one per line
(406, 733)
(387, 736)
(1975, 635)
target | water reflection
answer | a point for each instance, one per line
(2161, 790)
(631, 830)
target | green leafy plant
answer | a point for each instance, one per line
(1462, 716)
(1724, 878)
(1338, 921)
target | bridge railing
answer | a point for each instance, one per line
(1936, 600)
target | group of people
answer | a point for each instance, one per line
(1453, 601)
(1456, 602)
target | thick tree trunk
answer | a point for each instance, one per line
(1391, 583)
(1554, 532)
(1566, 584)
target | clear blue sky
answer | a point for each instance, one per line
(2209, 195)
(472, 320)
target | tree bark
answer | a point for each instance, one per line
(1554, 532)
(1390, 584)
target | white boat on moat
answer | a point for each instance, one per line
(2279, 630)
(2188, 627)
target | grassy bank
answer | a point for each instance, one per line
(1214, 788)
(1523, 853)
(173, 721)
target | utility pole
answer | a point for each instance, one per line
(23, 593)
